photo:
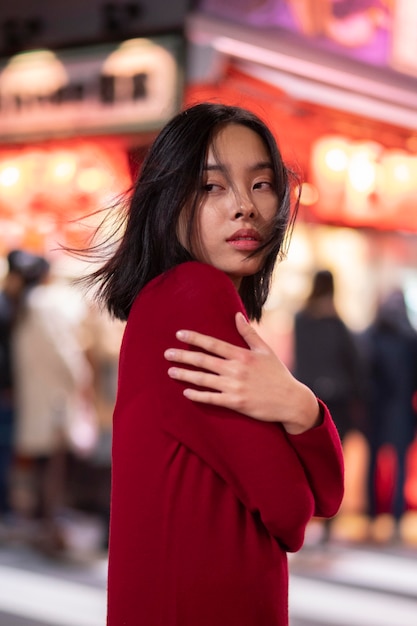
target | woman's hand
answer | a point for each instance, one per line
(252, 380)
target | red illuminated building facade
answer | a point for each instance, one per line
(68, 121)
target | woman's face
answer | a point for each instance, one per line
(239, 203)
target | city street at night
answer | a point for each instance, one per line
(330, 585)
(208, 313)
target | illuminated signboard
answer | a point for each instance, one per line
(404, 48)
(374, 32)
(128, 87)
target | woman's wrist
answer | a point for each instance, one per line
(307, 411)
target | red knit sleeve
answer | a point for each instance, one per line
(320, 452)
(255, 459)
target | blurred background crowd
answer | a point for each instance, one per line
(58, 377)
(58, 381)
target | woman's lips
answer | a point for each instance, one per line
(247, 240)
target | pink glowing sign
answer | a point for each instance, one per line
(376, 32)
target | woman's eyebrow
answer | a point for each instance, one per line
(218, 167)
(214, 167)
(262, 165)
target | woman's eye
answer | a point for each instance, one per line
(210, 187)
(263, 184)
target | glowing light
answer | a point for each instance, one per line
(362, 169)
(399, 183)
(64, 170)
(38, 72)
(362, 174)
(336, 159)
(63, 167)
(9, 176)
(402, 172)
(90, 180)
(329, 159)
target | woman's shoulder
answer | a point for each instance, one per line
(191, 275)
(195, 269)
(191, 293)
(193, 285)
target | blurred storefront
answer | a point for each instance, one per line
(72, 123)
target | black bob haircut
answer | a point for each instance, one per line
(171, 177)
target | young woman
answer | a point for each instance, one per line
(222, 458)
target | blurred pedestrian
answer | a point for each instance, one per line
(390, 345)
(52, 379)
(327, 359)
(103, 337)
(326, 355)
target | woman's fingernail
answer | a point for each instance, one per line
(172, 372)
(169, 354)
(181, 334)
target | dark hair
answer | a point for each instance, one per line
(170, 178)
(31, 267)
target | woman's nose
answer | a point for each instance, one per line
(245, 208)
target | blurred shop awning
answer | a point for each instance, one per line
(304, 72)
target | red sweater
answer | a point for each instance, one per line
(205, 501)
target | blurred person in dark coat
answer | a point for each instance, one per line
(327, 359)
(326, 355)
(390, 345)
